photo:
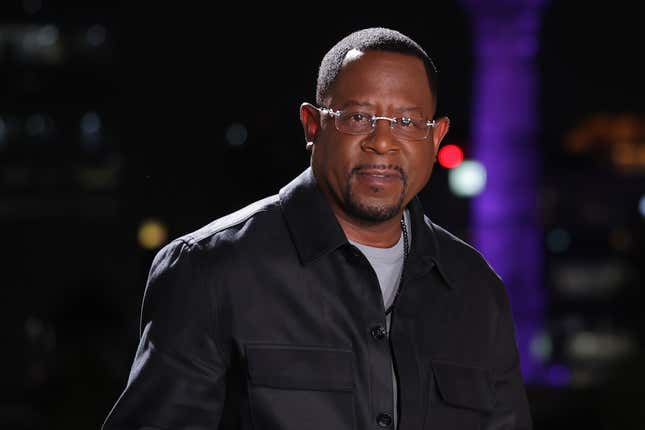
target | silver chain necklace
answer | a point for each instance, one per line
(404, 229)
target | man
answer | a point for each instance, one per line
(335, 304)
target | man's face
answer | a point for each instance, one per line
(373, 177)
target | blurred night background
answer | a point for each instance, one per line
(122, 127)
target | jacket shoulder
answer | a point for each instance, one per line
(266, 210)
(453, 250)
(464, 264)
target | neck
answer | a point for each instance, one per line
(382, 234)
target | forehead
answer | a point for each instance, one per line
(382, 78)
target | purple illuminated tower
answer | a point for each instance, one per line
(505, 122)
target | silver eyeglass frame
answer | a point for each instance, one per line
(373, 119)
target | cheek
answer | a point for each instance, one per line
(322, 150)
(327, 159)
(420, 171)
(335, 153)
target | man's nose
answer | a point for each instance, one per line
(381, 139)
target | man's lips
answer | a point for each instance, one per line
(379, 175)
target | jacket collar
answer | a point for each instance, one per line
(316, 232)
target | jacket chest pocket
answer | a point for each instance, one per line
(460, 398)
(295, 387)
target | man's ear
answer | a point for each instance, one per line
(310, 119)
(439, 132)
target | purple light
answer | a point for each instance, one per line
(558, 375)
(504, 216)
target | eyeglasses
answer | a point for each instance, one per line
(357, 122)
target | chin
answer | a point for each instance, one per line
(374, 211)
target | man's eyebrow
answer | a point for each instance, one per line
(355, 103)
(408, 109)
(349, 103)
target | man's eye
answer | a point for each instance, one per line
(406, 122)
(358, 117)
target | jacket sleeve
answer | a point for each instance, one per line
(177, 379)
(511, 409)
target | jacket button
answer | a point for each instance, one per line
(378, 332)
(384, 420)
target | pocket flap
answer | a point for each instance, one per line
(297, 367)
(462, 386)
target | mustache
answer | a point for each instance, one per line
(357, 169)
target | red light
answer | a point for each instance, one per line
(450, 156)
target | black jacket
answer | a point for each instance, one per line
(264, 319)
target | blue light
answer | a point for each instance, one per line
(467, 179)
(236, 134)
